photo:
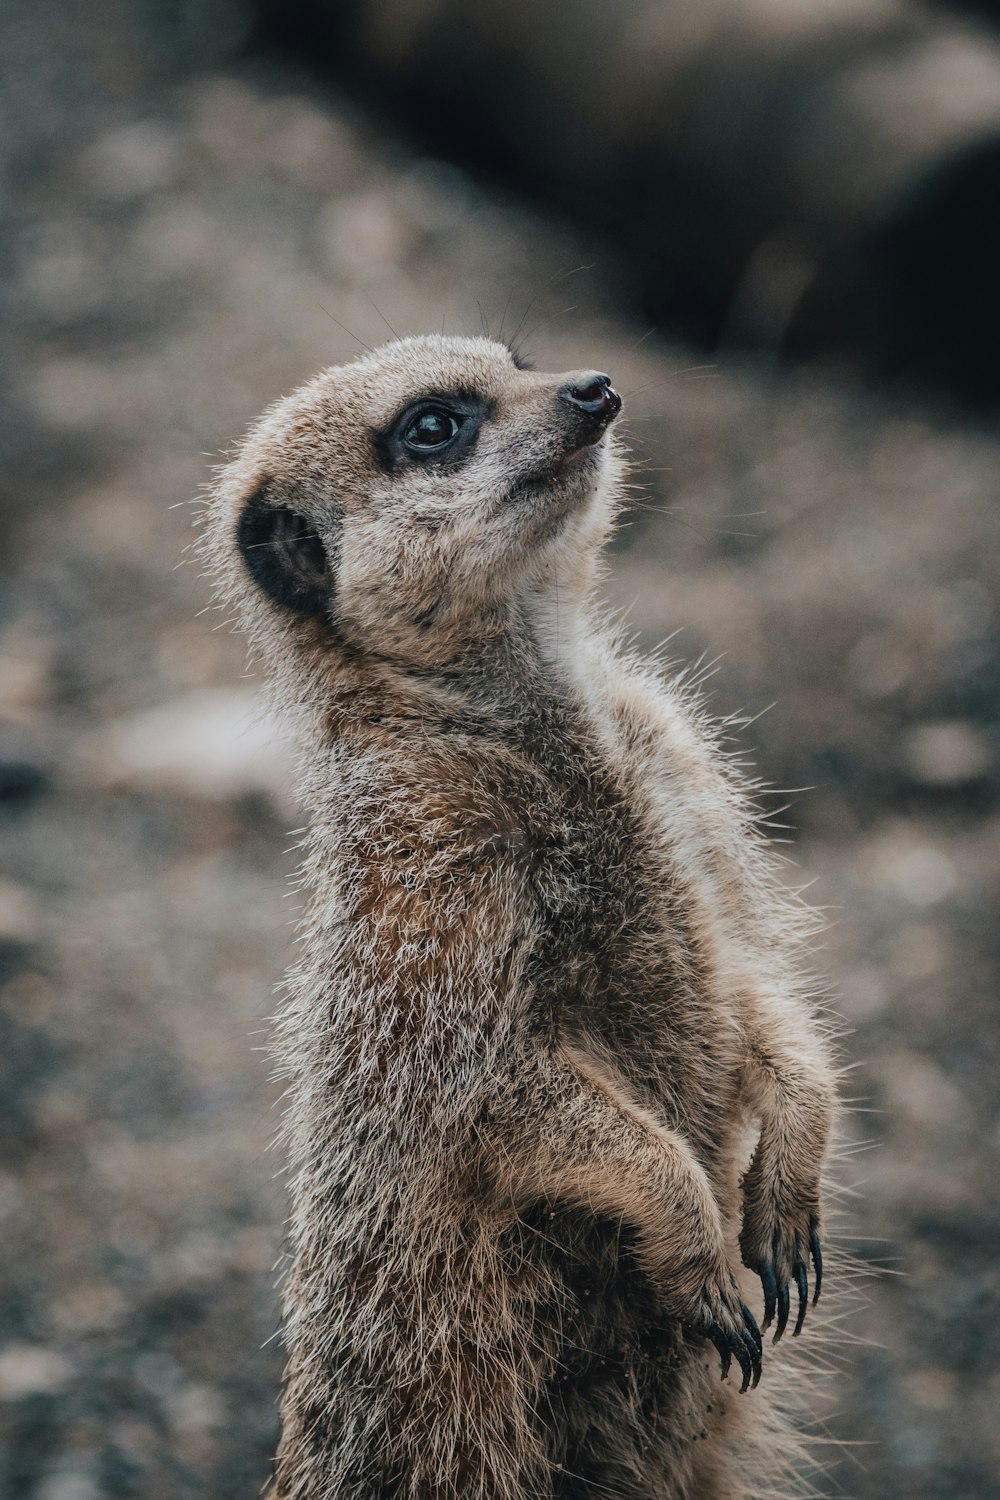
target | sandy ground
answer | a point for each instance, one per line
(171, 241)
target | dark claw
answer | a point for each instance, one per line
(817, 1257)
(769, 1282)
(747, 1360)
(721, 1343)
(755, 1363)
(802, 1283)
(783, 1307)
(751, 1323)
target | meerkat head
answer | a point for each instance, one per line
(401, 504)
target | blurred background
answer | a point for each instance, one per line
(777, 224)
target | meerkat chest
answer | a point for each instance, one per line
(624, 950)
(608, 901)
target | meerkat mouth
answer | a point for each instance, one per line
(564, 481)
(579, 461)
(554, 481)
(579, 457)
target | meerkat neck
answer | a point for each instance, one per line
(492, 685)
(557, 626)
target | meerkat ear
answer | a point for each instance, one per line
(284, 555)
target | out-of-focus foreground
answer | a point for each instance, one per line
(185, 234)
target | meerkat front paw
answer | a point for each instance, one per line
(777, 1242)
(722, 1316)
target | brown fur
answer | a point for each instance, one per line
(548, 981)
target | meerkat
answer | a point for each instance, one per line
(549, 979)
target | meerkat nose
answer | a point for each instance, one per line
(593, 394)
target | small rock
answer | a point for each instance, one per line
(925, 876)
(73, 392)
(934, 1388)
(19, 917)
(133, 160)
(30, 1370)
(209, 743)
(197, 1408)
(68, 1485)
(921, 1095)
(920, 951)
(21, 778)
(363, 235)
(946, 754)
(158, 1374)
(25, 679)
(861, 993)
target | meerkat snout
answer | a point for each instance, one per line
(593, 404)
(595, 396)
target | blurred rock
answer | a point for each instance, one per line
(28, 1370)
(216, 743)
(364, 236)
(861, 993)
(21, 777)
(25, 678)
(132, 161)
(947, 753)
(919, 1093)
(804, 176)
(19, 915)
(919, 873)
(69, 1483)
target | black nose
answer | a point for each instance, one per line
(593, 394)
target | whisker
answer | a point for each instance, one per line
(382, 315)
(350, 333)
(648, 334)
(553, 280)
(503, 315)
(663, 510)
(657, 384)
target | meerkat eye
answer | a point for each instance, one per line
(436, 428)
(431, 430)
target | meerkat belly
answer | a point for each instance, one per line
(625, 1393)
(621, 971)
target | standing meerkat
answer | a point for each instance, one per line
(549, 981)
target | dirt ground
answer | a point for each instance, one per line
(180, 246)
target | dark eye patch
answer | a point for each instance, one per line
(284, 554)
(439, 428)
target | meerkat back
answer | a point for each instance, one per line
(549, 984)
